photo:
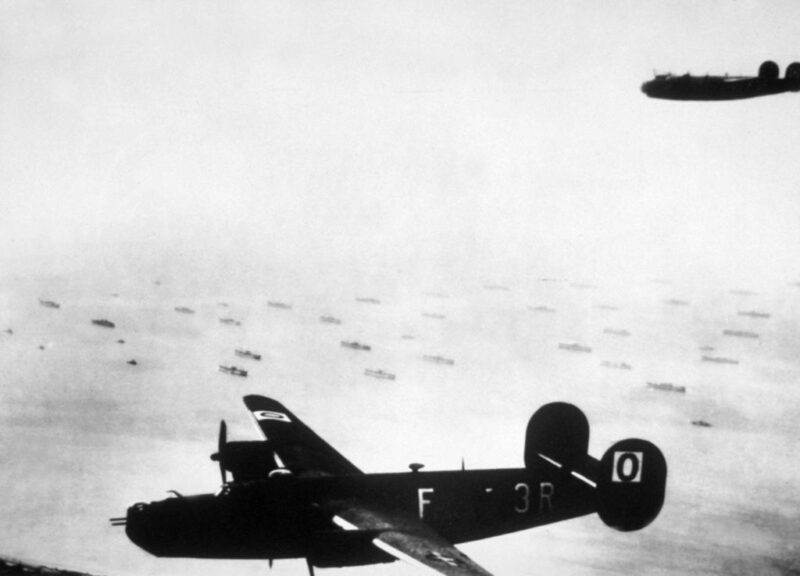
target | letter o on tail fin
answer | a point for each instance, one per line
(631, 484)
(559, 431)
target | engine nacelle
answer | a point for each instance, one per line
(247, 460)
(631, 484)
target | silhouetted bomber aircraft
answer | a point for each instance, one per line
(686, 87)
(293, 496)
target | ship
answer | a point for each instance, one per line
(701, 423)
(574, 347)
(676, 302)
(719, 360)
(279, 305)
(617, 365)
(49, 303)
(380, 374)
(230, 322)
(241, 352)
(367, 300)
(666, 387)
(753, 313)
(329, 320)
(104, 323)
(434, 315)
(184, 310)
(439, 360)
(740, 333)
(355, 345)
(233, 370)
(541, 309)
(616, 331)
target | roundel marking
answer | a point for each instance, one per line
(627, 467)
(270, 415)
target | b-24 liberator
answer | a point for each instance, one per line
(294, 496)
(688, 87)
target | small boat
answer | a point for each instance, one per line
(184, 310)
(380, 374)
(329, 320)
(233, 370)
(434, 315)
(280, 305)
(49, 303)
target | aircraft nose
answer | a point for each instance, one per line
(136, 524)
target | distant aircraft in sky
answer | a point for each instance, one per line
(294, 496)
(687, 87)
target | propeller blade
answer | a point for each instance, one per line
(223, 438)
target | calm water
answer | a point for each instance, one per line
(83, 434)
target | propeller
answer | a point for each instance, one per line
(223, 438)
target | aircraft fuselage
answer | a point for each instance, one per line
(290, 517)
(707, 88)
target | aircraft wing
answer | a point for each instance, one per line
(411, 540)
(296, 446)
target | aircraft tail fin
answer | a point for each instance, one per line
(559, 432)
(629, 480)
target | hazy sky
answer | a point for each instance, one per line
(416, 135)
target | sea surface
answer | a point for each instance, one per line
(83, 434)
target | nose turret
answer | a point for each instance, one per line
(139, 527)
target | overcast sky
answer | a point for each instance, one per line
(458, 136)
